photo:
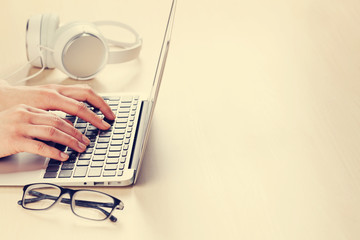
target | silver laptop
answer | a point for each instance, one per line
(113, 158)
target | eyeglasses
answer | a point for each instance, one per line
(89, 204)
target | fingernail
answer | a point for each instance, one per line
(85, 140)
(64, 156)
(81, 146)
(105, 124)
(114, 116)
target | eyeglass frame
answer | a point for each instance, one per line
(118, 204)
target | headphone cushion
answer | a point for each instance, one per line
(49, 25)
(33, 29)
(80, 51)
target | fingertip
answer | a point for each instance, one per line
(63, 156)
(113, 115)
(105, 124)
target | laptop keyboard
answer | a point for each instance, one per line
(108, 151)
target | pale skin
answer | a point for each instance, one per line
(26, 122)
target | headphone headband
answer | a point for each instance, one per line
(130, 50)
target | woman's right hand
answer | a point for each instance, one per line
(24, 129)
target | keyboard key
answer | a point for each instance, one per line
(67, 166)
(52, 168)
(113, 102)
(54, 162)
(100, 151)
(102, 146)
(112, 160)
(110, 167)
(89, 150)
(85, 156)
(95, 172)
(115, 149)
(97, 164)
(113, 154)
(123, 115)
(120, 173)
(113, 98)
(119, 131)
(103, 140)
(80, 172)
(72, 157)
(121, 120)
(124, 110)
(121, 166)
(110, 173)
(118, 137)
(120, 125)
(116, 143)
(98, 158)
(50, 175)
(83, 163)
(91, 133)
(125, 105)
(105, 134)
(65, 173)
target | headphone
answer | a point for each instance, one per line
(78, 49)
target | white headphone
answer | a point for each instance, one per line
(78, 49)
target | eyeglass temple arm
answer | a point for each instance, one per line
(82, 203)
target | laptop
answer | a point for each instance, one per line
(114, 157)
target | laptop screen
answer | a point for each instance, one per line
(149, 109)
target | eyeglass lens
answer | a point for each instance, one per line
(40, 196)
(92, 205)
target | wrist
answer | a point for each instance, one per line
(5, 89)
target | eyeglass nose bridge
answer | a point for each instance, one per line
(62, 197)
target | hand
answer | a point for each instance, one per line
(23, 127)
(68, 99)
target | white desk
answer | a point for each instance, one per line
(255, 134)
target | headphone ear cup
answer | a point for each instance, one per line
(40, 31)
(80, 51)
(49, 25)
(33, 30)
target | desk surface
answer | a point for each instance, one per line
(256, 131)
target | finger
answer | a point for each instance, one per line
(47, 119)
(73, 107)
(85, 93)
(40, 148)
(48, 133)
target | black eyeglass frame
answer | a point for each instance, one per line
(118, 204)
